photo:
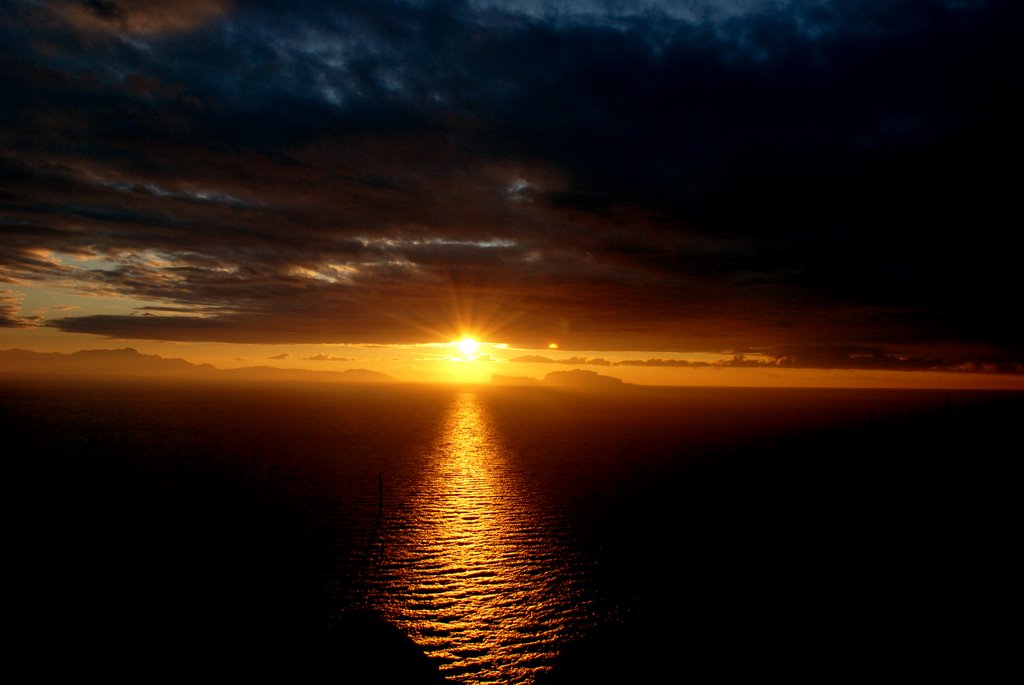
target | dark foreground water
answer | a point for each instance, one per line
(513, 535)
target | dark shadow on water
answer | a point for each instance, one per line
(139, 588)
(131, 560)
(139, 579)
(880, 548)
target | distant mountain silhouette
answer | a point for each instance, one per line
(128, 362)
(581, 378)
(123, 362)
(576, 378)
(513, 380)
(270, 373)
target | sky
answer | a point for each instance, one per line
(675, 191)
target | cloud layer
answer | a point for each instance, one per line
(646, 176)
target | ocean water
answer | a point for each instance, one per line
(516, 535)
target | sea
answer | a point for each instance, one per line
(509, 534)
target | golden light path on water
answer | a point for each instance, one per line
(473, 572)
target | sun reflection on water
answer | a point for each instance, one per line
(472, 573)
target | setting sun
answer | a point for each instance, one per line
(468, 347)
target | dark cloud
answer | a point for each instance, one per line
(843, 357)
(10, 311)
(664, 363)
(283, 355)
(328, 358)
(634, 176)
(878, 359)
(574, 361)
(141, 17)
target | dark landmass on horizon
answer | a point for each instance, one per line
(128, 362)
(575, 378)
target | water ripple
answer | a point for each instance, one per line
(473, 571)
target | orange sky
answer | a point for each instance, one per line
(446, 362)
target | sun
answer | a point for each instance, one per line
(468, 347)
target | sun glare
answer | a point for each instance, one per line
(468, 347)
